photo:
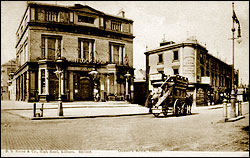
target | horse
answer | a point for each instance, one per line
(189, 102)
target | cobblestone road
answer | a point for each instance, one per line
(198, 132)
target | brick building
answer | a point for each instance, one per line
(85, 40)
(209, 77)
(7, 73)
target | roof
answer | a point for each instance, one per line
(79, 7)
(140, 75)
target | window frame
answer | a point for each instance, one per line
(160, 56)
(174, 55)
(81, 54)
(121, 53)
(44, 46)
(86, 19)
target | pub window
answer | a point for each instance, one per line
(86, 19)
(176, 71)
(50, 47)
(176, 55)
(160, 58)
(201, 59)
(42, 81)
(202, 71)
(51, 16)
(25, 21)
(116, 53)
(116, 26)
(86, 49)
(21, 30)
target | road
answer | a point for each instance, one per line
(201, 131)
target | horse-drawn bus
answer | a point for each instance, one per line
(170, 96)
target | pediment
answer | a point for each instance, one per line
(86, 8)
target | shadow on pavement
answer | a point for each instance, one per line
(170, 115)
(246, 128)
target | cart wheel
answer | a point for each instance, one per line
(156, 114)
(177, 107)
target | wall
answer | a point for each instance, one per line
(189, 63)
(70, 45)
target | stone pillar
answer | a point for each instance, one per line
(71, 86)
(28, 85)
(108, 84)
(115, 83)
(46, 48)
(46, 81)
(112, 54)
(39, 82)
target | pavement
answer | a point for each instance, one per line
(88, 109)
(74, 109)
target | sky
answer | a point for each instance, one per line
(209, 21)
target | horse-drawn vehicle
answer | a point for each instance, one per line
(170, 96)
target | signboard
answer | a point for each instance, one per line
(155, 77)
(205, 80)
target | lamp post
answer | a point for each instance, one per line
(233, 97)
(127, 77)
(94, 74)
(59, 66)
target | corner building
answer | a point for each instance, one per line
(209, 77)
(87, 40)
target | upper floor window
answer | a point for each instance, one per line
(176, 71)
(201, 59)
(86, 49)
(25, 21)
(21, 29)
(51, 47)
(116, 26)
(160, 58)
(86, 19)
(176, 55)
(117, 53)
(202, 71)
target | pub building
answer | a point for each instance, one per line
(89, 51)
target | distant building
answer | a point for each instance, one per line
(209, 77)
(7, 73)
(87, 40)
(140, 87)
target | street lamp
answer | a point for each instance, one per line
(60, 63)
(233, 97)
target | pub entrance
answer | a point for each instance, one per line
(53, 86)
(83, 86)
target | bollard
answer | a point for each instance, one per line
(239, 109)
(41, 110)
(225, 109)
(34, 110)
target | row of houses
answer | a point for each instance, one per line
(93, 51)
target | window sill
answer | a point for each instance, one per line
(175, 61)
